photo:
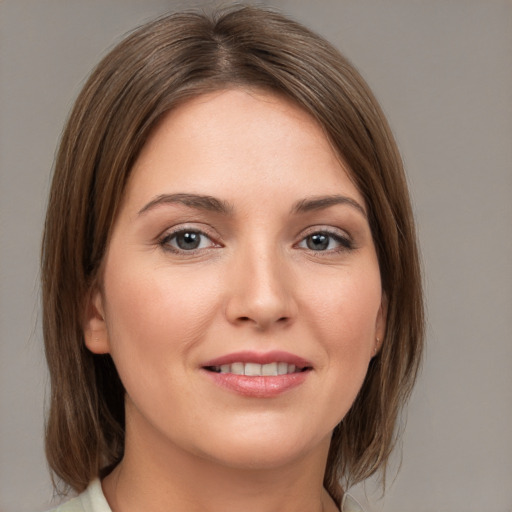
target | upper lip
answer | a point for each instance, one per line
(248, 356)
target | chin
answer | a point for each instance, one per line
(263, 457)
(266, 449)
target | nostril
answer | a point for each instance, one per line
(248, 319)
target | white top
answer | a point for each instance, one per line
(93, 500)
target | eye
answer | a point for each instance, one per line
(325, 241)
(186, 240)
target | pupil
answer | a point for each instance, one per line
(188, 240)
(318, 242)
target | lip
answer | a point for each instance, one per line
(258, 386)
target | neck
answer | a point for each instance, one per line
(166, 478)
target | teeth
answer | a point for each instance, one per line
(252, 369)
(257, 370)
(269, 369)
(282, 368)
(236, 368)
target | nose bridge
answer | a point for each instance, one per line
(261, 291)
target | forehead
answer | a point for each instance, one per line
(217, 142)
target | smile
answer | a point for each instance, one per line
(256, 369)
(258, 375)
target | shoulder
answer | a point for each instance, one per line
(91, 500)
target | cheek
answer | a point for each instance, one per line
(154, 317)
(344, 315)
(346, 309)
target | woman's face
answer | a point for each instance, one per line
(241, 296)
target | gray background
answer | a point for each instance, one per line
(443, 73)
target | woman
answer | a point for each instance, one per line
(232, 298)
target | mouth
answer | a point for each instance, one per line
(253, 369)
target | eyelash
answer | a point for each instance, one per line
(344, 243)
(165, 241)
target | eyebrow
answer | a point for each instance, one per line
(210, 203)
(321, 202)
(197, 201)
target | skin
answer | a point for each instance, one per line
(254, 283)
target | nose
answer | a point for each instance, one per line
(261, 291)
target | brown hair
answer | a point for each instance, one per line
(154, 69)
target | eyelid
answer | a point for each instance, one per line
(343, 237)
(169, 233)
(330, 230)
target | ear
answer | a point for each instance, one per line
(380, 324)
(95, 327)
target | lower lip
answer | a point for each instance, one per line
(258, 387)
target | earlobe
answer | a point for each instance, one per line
(95, 327)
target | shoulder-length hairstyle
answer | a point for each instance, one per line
(156, 68)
